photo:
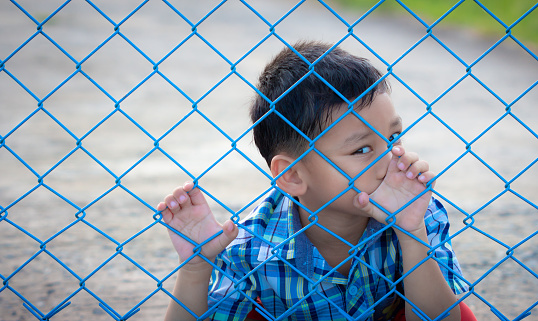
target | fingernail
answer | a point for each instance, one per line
(401, 166)
(173, 204)
(182, 198)
(409, 175)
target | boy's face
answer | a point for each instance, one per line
(352, 146)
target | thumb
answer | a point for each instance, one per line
(362, 202)
(229, 233)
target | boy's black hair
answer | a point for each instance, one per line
(309, 105)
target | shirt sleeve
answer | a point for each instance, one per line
(437, 225)
(229, 291)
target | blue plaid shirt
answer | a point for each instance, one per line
(268, 261)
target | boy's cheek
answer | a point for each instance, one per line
(367, 186)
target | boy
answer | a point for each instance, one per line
(318, 248)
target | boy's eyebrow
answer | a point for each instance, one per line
(397, 122)
(358, 136)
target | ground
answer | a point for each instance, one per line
(70, 204)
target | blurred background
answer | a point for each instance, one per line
(106, 106)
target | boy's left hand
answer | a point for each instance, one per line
(406, 178)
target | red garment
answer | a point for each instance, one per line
(466, 314)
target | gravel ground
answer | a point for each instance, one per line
(61, 176)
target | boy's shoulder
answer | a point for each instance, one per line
(269, 223)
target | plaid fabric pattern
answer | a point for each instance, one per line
(270, 260)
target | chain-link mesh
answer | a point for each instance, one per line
(106, 106)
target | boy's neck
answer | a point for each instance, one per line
(349, 229)
(333, 250)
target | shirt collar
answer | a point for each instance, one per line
(285, 222)
(279, 228)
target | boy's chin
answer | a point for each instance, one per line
(361, 213)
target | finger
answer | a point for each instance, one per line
(196, 196)
(417, 168)
(426, 178)
(161, 207)
(398, 150)
(172, 203)
(362, 202)
(406, 160)
(167, 215)
(181, 196)
(229, 234)
(188, 186)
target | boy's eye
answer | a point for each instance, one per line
(393, 136)
(363, 150)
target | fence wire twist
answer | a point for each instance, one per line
(41, 246)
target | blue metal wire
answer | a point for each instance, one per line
(80, 213)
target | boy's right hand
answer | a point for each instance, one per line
(187, 211)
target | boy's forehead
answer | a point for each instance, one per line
(382, 110)
(380, 115)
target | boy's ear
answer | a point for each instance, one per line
(291, 180)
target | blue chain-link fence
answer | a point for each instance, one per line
(106, 106)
